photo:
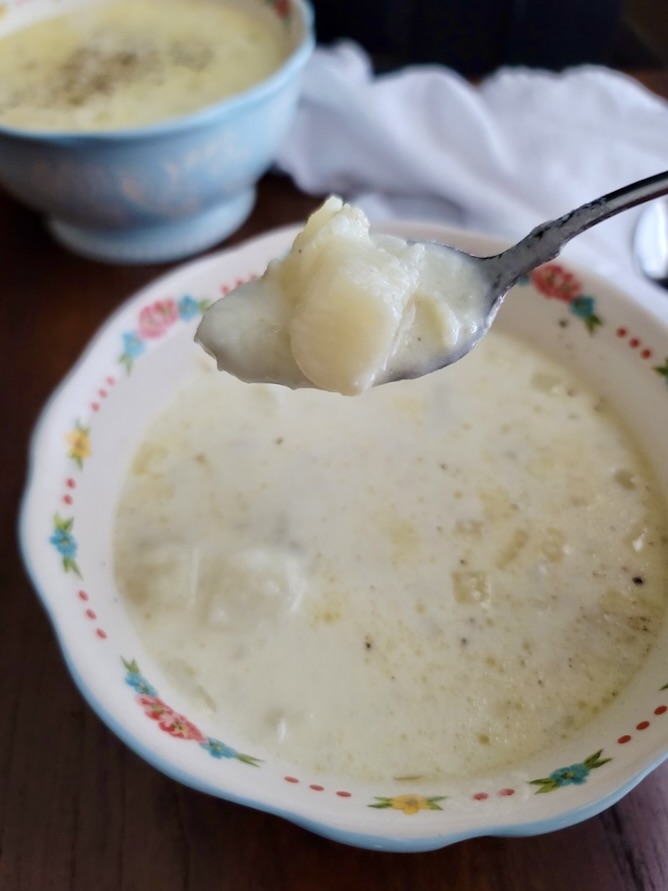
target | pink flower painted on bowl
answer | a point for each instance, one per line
(556, 282)
(155, 319)
(169, 720)
(175, 724)
(552, 280)
(154, 707)
(182, 728)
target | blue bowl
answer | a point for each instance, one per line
(165, 191)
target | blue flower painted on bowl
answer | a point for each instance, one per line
(189, 307)
(583, 307)
(140, 685)
(133, 347)
(135, 679)
(573, 775)
(218, 749)
(576, 774)
(64, 542)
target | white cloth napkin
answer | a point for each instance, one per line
(523, 147)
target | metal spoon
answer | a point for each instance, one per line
(249, 334)
(501, 271)
(650, 243)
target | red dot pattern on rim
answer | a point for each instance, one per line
(634, 343)
(316, 787)
(505, 793)
(642, 725)
(71, 483)
(480, 796)
(67, 496)
(225, 289)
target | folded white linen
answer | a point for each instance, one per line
(522, 147)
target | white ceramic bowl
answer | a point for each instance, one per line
(80, 452)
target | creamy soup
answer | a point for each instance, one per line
(124, 63)
(346, 309)
(438, 577)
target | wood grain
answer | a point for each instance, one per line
(78, 810)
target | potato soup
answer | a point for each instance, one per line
(123, 63)
(438, 577)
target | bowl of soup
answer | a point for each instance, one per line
(429, 612)
(139, 130)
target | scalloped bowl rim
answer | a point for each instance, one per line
(313, 817)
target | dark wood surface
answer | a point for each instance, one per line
(78, 810)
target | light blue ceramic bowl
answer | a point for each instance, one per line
(165, 191)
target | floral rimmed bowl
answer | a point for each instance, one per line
(79, 456)
(167, 190)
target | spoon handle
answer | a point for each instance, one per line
(546, 240)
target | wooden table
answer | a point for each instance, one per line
(78, 810)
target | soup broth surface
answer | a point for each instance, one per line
(128, 63)
(438, 577)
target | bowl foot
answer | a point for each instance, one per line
(156, 244)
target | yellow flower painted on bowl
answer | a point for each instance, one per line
(409, 804)
(79, 440)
